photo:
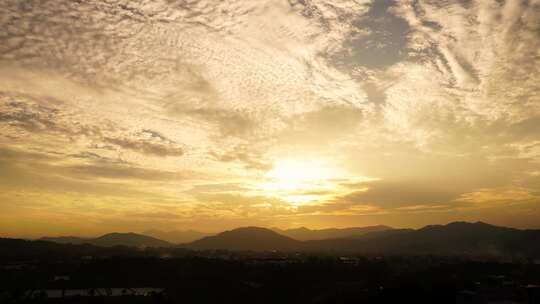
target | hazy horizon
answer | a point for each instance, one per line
(123, 116)
(35, 236)
(145, 232)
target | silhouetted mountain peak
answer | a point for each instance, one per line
(121, 234)
(249, 230)
(65, 239)
(246, 238)
(113, 239)
(469, 224)
(305, 234)
(464, 227)
(300, 229)
(129, 239)
(177, 236)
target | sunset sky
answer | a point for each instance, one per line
(198, 114)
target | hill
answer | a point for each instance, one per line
(128, 239)
(25, 250)
(66, 239)
(113, 239)
(247, 238)
(458, 238)
(306, 234)
(177, 236)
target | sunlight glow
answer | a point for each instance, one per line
(301, 181)
(301, 171)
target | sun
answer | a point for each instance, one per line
(297, 172)
(300, 181)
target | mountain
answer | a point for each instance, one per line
(128, 239)
(113, 239)
(457, 238)
(247, 238)
(305, 234)
(177, 236)
(25, 250)
(66, 239)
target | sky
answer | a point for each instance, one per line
(208, 115)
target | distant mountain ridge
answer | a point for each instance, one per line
(247, 238)
(177, 236)
(457, 238)
(306, 234)
(112, 239)
(66, 239)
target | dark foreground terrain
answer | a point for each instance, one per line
(125, 275)
(455, 263)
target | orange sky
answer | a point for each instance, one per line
(136, 115)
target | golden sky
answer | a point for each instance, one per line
(197, 114)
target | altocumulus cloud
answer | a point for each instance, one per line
(151, 93)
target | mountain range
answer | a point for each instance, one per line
(177, 236)
(306, 234)
(457, 238)
(112, 239)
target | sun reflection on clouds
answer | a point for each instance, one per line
(305, 181)
(296, 172)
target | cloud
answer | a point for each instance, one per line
(94, 157)
(322, 126)
(118, 172)
(112, 45)
(33, 117)
(237, 205)
(30, 120)
(339, 209)
(431, 101)
(216, 188)
(478, 46)
(228, 123)
(400, 195)
(145, 147)
(505, 195)
(246, 155)
(93, 167)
